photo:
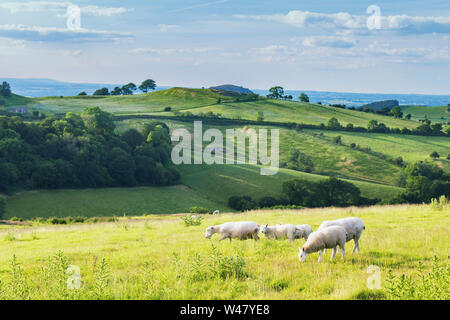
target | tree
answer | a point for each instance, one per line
(133, 138)
(434, 155)
(408, 116)
(2, 206)
(98, 121)
(397, 112)
(276, 92)
(5, 89)
(121, 167)
(116, 91)
(128, 89)
(299, 161)
(82, 93)
(304, 97)
(337, 140)
(101, 92)
(147, 85)
(260, 116)
(334, 124)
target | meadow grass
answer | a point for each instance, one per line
(161, 258)
(204, 100)
(410, 148)
(105, 202)
(434, 114)
(294, 111)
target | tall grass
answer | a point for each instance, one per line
(171, 261)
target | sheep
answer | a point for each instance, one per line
(353, 226)
(330, 237)
(216, 212)
(283, 231)
(241, 230)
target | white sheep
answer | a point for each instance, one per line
(241, 230)
(216, 212)
(353, 226)
(330, 237)
(289, 231)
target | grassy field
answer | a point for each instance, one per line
(105, 202)
(160, 258)
(434, 114)
(410, 148)
(219, 182)
(204, 100)
(202, 185)
(292, 111)
(176, 98)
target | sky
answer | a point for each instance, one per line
(392, 47)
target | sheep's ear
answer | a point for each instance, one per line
(303, 249)
(267, 225)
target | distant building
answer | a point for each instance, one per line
(19, 110)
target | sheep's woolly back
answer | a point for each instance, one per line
(326, 238)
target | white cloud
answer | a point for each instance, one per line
(344, 20)
(329, 41)
(172, 50)
(166, 27)
(36, 33)
(59, 7)
(276, 53)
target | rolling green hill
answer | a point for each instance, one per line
(204, 100)
(203, 185)
(434, 114)
(16, 101)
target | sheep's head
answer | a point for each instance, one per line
(264, 229)
(209, 232)
(302, 254)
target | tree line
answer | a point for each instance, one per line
(125, 90)
(82, 151)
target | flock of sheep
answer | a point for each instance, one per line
(330, 234)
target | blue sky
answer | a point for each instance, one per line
(309, 45)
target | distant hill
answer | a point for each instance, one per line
(378, 105)
(48, 87)
(232, 88)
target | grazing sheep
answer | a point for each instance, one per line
(330, 237)
(241, 230)
(289, 231)
(353, 226)
(303, 231)
(216, 212)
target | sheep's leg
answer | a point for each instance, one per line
(320, 255)
(356, 247)
(224, 237)
(255, 236)
(343, 252)
(337, 249)
(333, 253)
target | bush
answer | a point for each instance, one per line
(196, 209)
(2, 206)
(422, 286)
(226, 267)
(243, 203)
(190, 220)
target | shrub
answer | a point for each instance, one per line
(422, 286)
(2, 206)
(228, 266)
(197, 209)
(190, 220)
